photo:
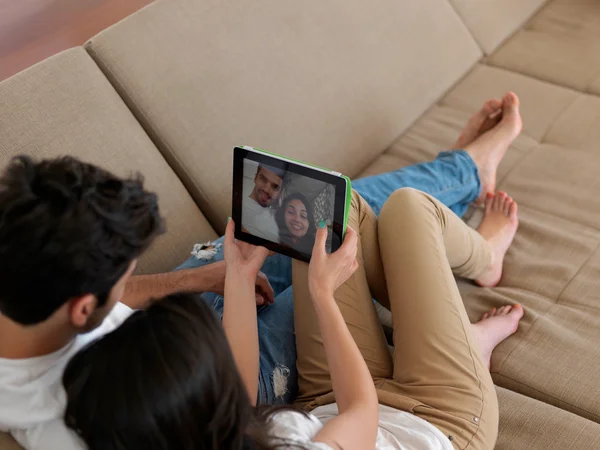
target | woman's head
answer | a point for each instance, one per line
(296, 221)
(163, 380)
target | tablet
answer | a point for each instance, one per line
(278, 202)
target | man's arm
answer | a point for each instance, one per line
(142, 289)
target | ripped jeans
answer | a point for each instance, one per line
(278, 376)
(452, 178)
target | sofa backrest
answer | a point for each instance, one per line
(331, 83)
(493, 21)
(66, 106)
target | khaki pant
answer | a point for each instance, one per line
(406, 262)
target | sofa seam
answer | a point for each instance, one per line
(578, 305)
(578, 272)
(595, 77)
(518, 163)
(559, 117)
(542, 140)
(522, 24)
(150, 131)
(518, 344)
(583, 225)
(520, 383)
(486, 62)
(470, 29)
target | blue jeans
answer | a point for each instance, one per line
(452, 178)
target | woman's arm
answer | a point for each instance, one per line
(241, 329)
(358, 420)
(239, 313)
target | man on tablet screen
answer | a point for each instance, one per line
(257, 216)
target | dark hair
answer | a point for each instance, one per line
(164, 380)
(67, 228)
(285, 237)
(279, 172)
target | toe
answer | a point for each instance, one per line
(491, 106)
(489, 202)
(485, 316)
(486, 109)
(503, 204)
(509, 201)
(510, 103)
(512, 213)
(503, 197)
(518, 312)
(495, 104)
(498, 201)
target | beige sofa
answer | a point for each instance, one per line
(362, 87)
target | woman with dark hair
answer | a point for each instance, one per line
(165, 379)
(172, 378)
(296, 223)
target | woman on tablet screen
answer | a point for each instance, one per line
(296, 223)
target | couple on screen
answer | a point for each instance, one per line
(292, 223)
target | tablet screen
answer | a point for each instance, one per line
(282, 206)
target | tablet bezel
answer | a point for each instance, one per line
(339, 208)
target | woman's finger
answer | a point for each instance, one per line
(350, 242)
(320, 240)
(229, 233)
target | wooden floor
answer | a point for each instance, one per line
(32, 30)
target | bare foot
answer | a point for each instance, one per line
(498, 228)
(483, 120)
(495, 326)
(489, 148)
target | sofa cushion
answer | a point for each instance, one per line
(553, 266)
(492, 22)
(332, 83)
(561, 45)
(66, 106)
(526, 423)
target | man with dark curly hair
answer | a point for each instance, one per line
(70, 237)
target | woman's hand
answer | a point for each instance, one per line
(242, 263)
(241, 258)
(327, 272)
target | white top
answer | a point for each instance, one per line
(398, 430)
(259, 221)
(32, 398)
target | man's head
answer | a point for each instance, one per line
(268, 183)
(70, 235)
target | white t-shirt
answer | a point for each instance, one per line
(259, 221)
(32, 398)
(398, 430)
